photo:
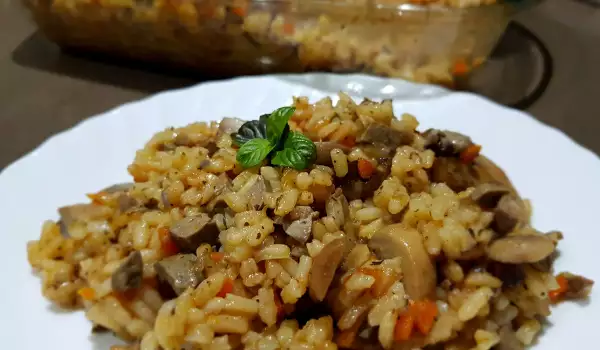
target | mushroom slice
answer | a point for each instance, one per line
(520, 249)
(401, 241)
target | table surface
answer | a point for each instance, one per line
(43, 91)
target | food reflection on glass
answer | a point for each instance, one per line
(424, 41)
(315, 226)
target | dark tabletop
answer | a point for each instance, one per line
(43, 91)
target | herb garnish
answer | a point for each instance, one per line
(270, 137)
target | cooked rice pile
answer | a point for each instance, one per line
(426, 244)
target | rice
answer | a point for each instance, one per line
(255, 284)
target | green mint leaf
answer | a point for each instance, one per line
(253, 152)
(298, 153)
(277, 122)
(289, 158)
(251, 130)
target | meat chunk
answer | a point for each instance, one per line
(324, 151)
(401, 241)
(579, 286)
(510, 275)
(377, 133)
(520, 249)
(488, 194)
(354, 187)
(323, 269)
(180, 272)
(129, 275)
(188, 233)
(81, 213)
(230, 125)
(337, 207)
(300, 229)
(509, 212)
(446, 143)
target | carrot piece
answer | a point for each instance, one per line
(166, 242)
(425, 312)
(382, 283)
(87, 293)
(226, 288)
(404, 327)
(97, 198)
(217, 256)
(469, 154)
(563, 285)
(348, 141)
(239, 10)
(365, 168)
(321, 193)
(288, 28)
(460, 68)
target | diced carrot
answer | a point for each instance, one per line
(217, 256)
(365, 168)
(563, 285)
(279, 306)
(404, 327)
(226, 288)
(460, 68)
(97, 198)
(166, 242)
(288, 28)
(239, 10)
(425, 312)
(469, 154)
(382, 281)
(348, 141)
(87, 293)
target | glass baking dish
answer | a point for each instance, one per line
(430, 42)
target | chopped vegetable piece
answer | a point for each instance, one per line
(167, 244)
(383, 282)
(226, 288)
(348, 141)
(469, 154)
(365, 169)
(425, 312)
(217, 256)
(87, 293)
(404, 327)
(288, 28)
(239, 10)
(557, 294)
(460, 68)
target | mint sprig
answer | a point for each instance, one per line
(269, 137)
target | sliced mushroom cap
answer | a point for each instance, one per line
(337, 207)
(179, 272)
(188, 233)
(401, 241)
(127, 203)
(324, 149)
(129, 275)
(488, 171)
(323, 269)
(81, 213)
(446, 143)
(520, 249)
(488, 194)
(377, 133)
(509, 212)
(230, 125)
(300, 229)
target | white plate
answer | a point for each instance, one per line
(558, 175)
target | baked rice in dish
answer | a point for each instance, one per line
(374, 236)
